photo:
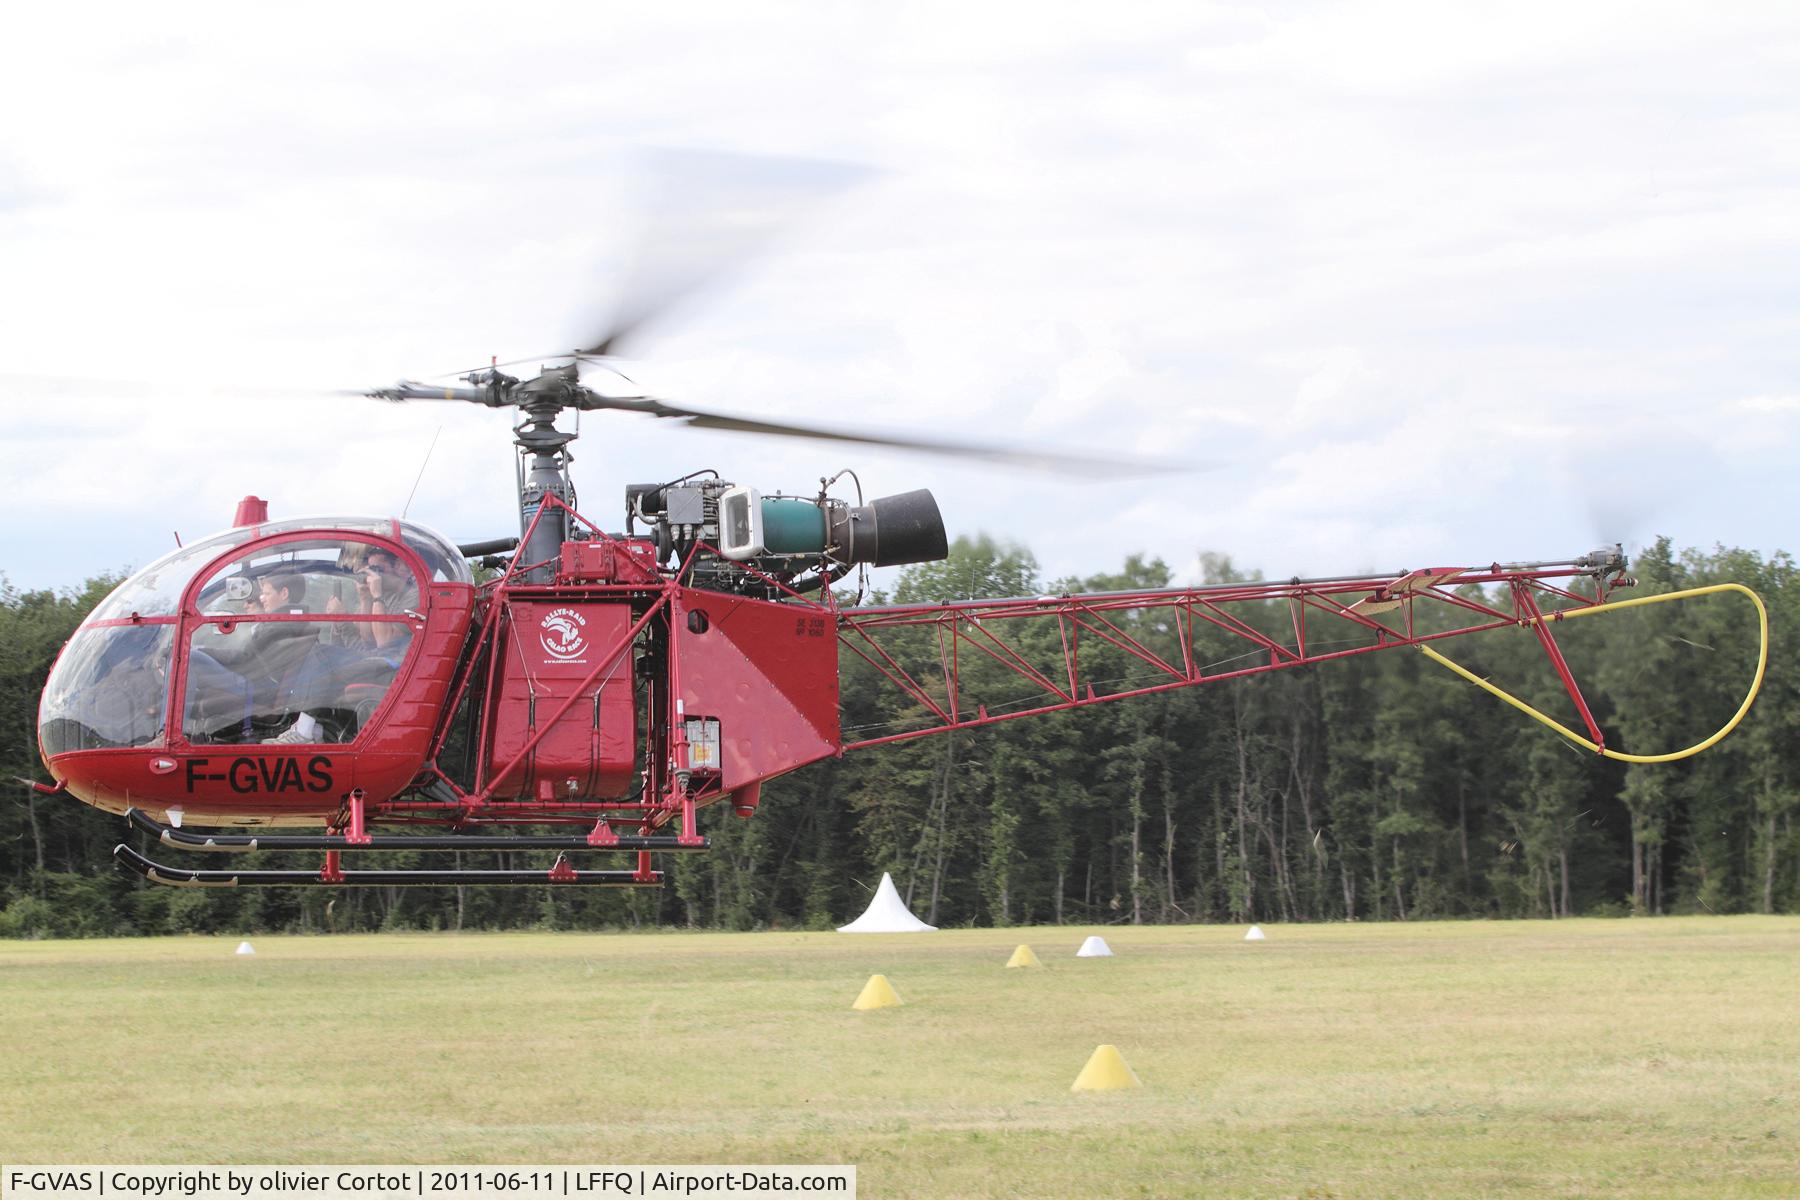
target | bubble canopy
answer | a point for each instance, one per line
(156, 590)
(111, 686)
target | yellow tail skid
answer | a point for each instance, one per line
(1762, 663)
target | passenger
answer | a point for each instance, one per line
(383, 587)
(273, 646)
(277, 595)
(273, 652)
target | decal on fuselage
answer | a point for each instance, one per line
(560, 633)
(248, 775)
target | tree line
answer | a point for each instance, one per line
(1380, 787)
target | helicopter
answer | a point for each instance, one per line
(348, 684)
(351, 675)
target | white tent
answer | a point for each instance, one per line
(887, 913)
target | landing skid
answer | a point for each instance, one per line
(561, 873)
(245, 843)
(353, 838)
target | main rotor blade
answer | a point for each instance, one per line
(408, 389)
(705, 215)
(1095, 465)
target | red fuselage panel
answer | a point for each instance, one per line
(766, 672)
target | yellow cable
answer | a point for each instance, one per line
(1762, 663)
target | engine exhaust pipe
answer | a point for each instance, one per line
(892, 531)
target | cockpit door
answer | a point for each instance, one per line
(298, 640)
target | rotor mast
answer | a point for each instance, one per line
(544, 456)
(543, 448)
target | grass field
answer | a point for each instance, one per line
(1576, 1058)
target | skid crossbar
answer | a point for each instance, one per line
(156, 872)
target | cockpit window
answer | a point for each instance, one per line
(328, 575)
(287, 682)
(109, 688)
(156, 590)
(256, 674)
(442, 559)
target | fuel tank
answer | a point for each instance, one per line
(564, 671)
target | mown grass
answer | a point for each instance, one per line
(1576, 1058)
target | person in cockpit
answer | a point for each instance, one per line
(261, 664)
(273, 647)
(383, 587)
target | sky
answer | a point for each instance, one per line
(1405, 284)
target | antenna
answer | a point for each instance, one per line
(415, 487)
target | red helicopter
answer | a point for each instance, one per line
(351, 676)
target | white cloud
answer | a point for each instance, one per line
(1436, 284)
(1769, 404)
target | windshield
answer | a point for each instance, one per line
(109, 688)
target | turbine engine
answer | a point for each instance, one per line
(802, 542)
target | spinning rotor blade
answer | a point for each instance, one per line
(408, 389)
(706, 214)
(1014, 456)
(586, 399)
(701, 214)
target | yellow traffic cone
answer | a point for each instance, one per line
(877, 993)
(1023, 957)
(1105, 1071)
